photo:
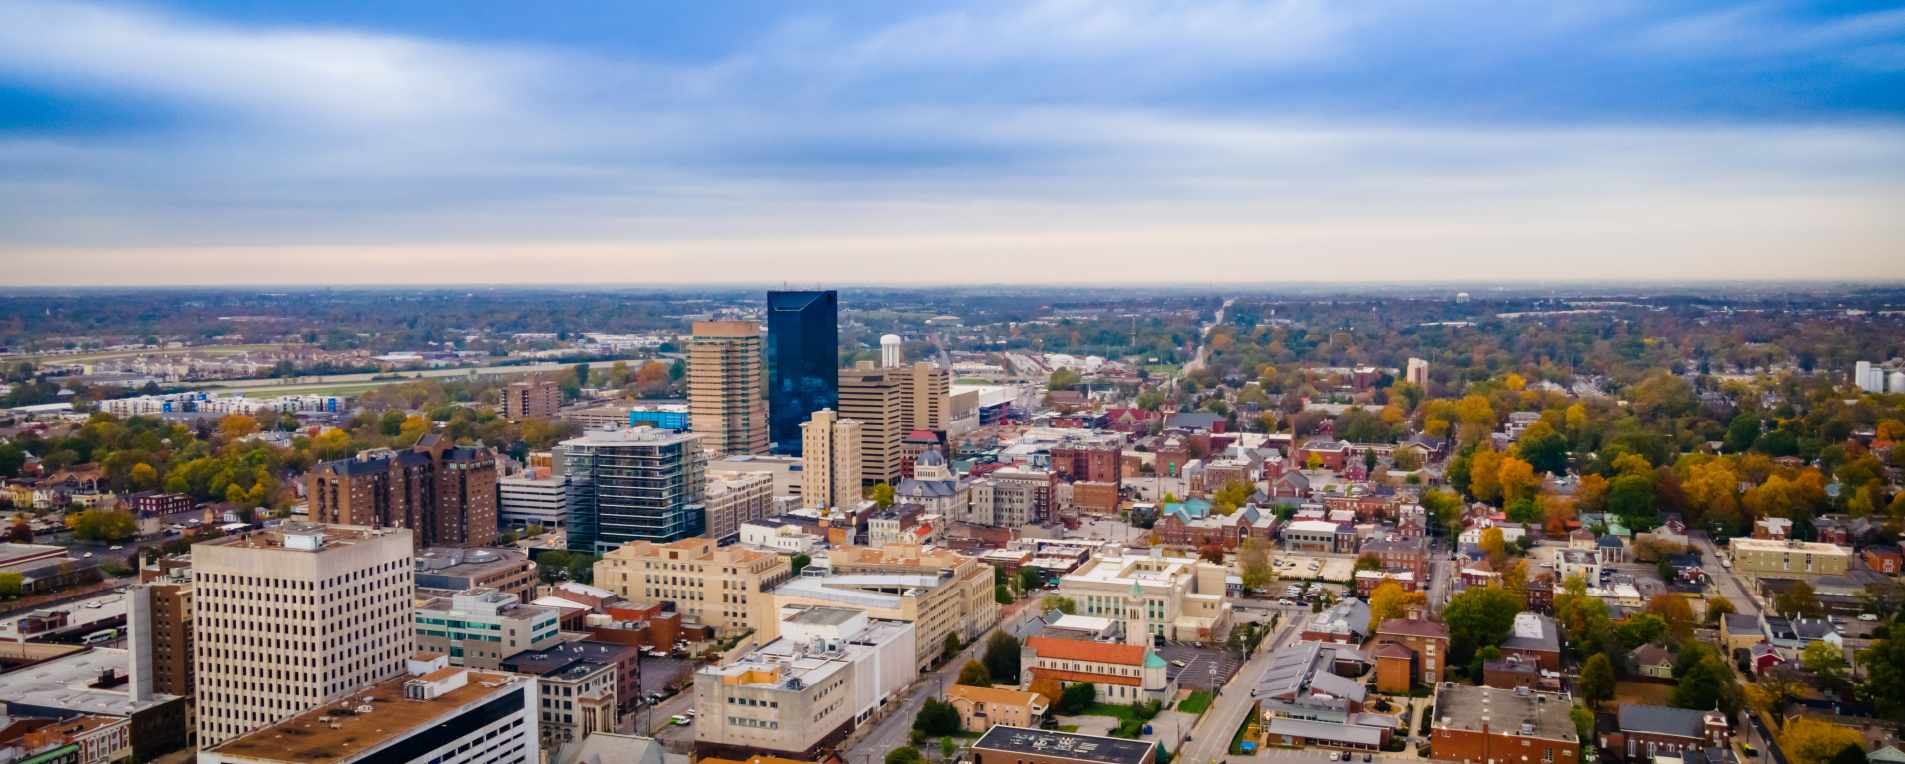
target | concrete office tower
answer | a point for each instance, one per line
(533, 397)
(803, 363)
(876, 399)
(724, 386)
(444, 492)
(892, 352)
(1418, 372)
(638, 484)
(295, 617)
(927, 397)
(830, 461)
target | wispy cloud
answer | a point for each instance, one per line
(1290, 137)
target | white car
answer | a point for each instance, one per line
(117, 548)
(1868, 617)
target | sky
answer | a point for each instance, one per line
(921, 142)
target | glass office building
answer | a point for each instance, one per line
(803, 362)
(639, 484)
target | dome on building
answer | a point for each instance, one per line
(931, 459)
(891, 339)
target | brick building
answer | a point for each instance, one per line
(1427, 643)
(531, 398)
(1095, 497)
(1488, 724)
(444, 492)
(165, 504)
(1401, 554)
(1658, 730)
(1018, 745)
(1096, 459)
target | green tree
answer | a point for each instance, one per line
(880, 493)
(1799, 600)
(102, 525)
(950, 646)
(1002, 657)
(1719, 608)
(1885, 675)
(10, 584)
(1699, 689)
(1368, 562)
(1030, 578)
(947, 747)
(1002, 594)
(1061, 604)
(1641, 628)
(937, 717)
(1631, 496)
(1077, 697)
(1597, 679)
(905, 754)
(1824, 659)
(800, 563)
(1478, 618)
(974, 674)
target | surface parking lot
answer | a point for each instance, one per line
(1199, 662)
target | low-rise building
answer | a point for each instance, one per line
(478, 628)
(1018, 745)
(833, 670)
(1658, 730)
(583, 687)
(1756, 557)
(982, 708)
(1121, 672)
(1346, 623)
(434, 713)
(784, 539)
(1490, 724)
(1155, 596)
(1319, 536)
(100, 682)
(100, 739)
(722, 587)
(1427, 650)
(444, 571)
(940, 592)
(1535, 638)
(1305, 702)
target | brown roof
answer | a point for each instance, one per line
(1096, 652)
(997, 695)
(303, 738)
(1412, 628)
(1395, 650)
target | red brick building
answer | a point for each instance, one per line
(1098, 498)
(1648, 731)
(1481, 724)
(1427, 643)
(1097, 460)
(1332, 454)
(1884, 559)
(444, 492)
(165, 504)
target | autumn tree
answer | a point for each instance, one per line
(1253, 564)
(974, 674)
(1492, 544)
(1824, 659)
(1799, 600)
(1389, 601)
(1212, 553)
(1674, 610)
(1597, 679)
(1810, 741)
(1718, 608)
(1368, 562)
(1484, 481)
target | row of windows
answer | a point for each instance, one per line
(742, 721)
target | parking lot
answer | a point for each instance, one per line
(1204, 667)
(1341, 569)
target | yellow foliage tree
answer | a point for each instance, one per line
(144, 477)
(237, 425)
(1633, 464)
(1493, 544)
(1517, 479)
(1485, 476)
(1477, 410)
(1389, 600)
(1810, 741)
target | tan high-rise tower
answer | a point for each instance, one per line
(875, 398)
(724, 387)
(926, 396)
(830, 461)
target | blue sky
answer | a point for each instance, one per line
(376, 142)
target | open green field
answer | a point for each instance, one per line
(205, 350)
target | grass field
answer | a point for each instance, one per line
(1197, 702)
(1642, 693)
(206, 350)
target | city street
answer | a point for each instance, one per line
(1210, 742)
(1725, 583)
(888, 733)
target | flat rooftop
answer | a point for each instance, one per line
(1769, 545)
(822, 616)
(1506, 711)
(303, 738)
(1070, 745)
(66, 683)
(290, 536)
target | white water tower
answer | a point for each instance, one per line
(890, 355)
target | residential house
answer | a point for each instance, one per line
(1650, 661)
(980, 708)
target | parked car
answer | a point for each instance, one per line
(1868, 617)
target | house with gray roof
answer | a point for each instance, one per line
(1658, 730)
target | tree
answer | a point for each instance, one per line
(1049, 687)
(1212, 553)
(1674, 610)
(880, 493)
(1810, 741)
(1774, 689)
(974, 674)
(1478, 618)
(1597, 679)
(1742, 432)
(1389, 601)
(1545, 449)
(1253, 564)
(1002, 657)
(1077, 697)
(21, 531)
(1640, 629)
(1368, 562)
(951, 644)
(937, 717)
(143, 477)
(1060, 604)
(1030, 578)
(1493, 545)
(800, 563)
(1718, 608)
(1002, 594)
(1885, 675)
(905, 754)
(1851, 754)
(1699, 689)
(1824, 659)
(10, 584)
(947, 747)
(101, 525)
(1800, 600)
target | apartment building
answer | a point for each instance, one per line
(297, 616)
(531, 398)
(443, 492)
(735, 498)
(1410, 651)
(535, 497)
(480, 627)
(785, 470)
(875, 398)
(431, 713)
(583, 687)
(1155, 596)
(722, 587)
(725, 400)
(1093, 457)
(1012, 497)
(638, 484)
(169, 604)
(832, 670)
(940, 592)
(830, 461)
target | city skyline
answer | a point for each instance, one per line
(351, 143)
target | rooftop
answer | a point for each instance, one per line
(338, 731)
(569, 660)
(1681, 722)
(297, 536)
(1512, 712)
(1109, 750)
(67, 683)
(1769, 545)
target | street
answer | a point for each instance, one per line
(1725, 583)
(1210, 741)
(870, 745)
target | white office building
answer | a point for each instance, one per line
(534, 498)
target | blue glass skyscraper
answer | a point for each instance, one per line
(803, 362)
